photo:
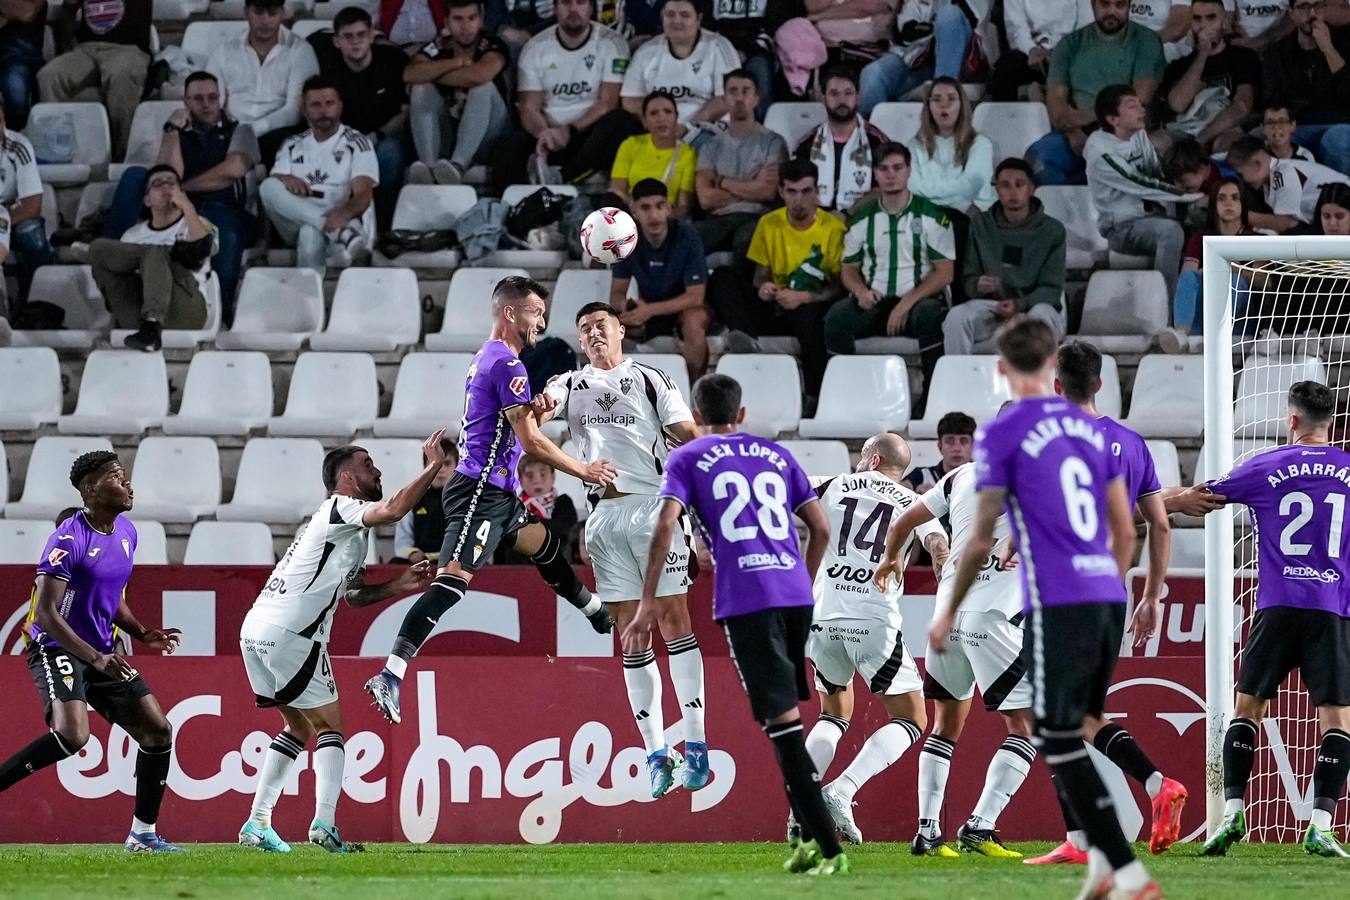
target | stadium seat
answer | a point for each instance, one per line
(200, 38)
(121, 392)
(147, 130)
(428, 394)
(670, 363)
(398, 459)
(923, 453)
(879, 346)
(280, 480)
(373, 310)
(230, 544)
(468, 309)
(1165, 462)
(898, 121)
(794, 121)
(177, 479)
(279, 308)
(1243, 449)
(1263, 391)
(1168, 399)
(1108, 397)
(575, 288)
(1012, 127)
(771, 389)
(1188, 550)
(86, 124)
(428, 207)
(186, 338)
(1085, 248)
(225, 393)
(820, 458)
(179, 10)
(51, 212)
(968, 384)
(860, 396)
(1124, 311)
(95, 198)
(305, 27)
(4, 477)
(152, 545)
(46, 488)
(526, 258)
(23, 540)
(331, 394)
(73, 289)
(39, 371)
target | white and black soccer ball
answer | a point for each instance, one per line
(608, 235)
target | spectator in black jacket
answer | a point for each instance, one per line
(1308, 69)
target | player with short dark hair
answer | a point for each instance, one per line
(483, 509)
(744, 491)
(1048, 463)
(78, 605)
(1297, 495)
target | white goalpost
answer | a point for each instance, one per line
(1287, 289)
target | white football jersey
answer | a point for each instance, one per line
(693, 81)
(994, 589)
(330, 166)
(621, 414)
(306, 586)
(1254, 17)
(861, 507)
(1295, 185)
(571, 79)
(18, 169)
(144, 233)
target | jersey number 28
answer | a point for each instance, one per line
(771, 506)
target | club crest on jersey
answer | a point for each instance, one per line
(607, 402)
(626, 385)
(518, 385)
(126, 547)
(69, 681)
(696, 66)
(589, 60)
(55, 557)
(337, 156)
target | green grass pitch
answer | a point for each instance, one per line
(630, 871)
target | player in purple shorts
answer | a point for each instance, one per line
(1046, 463)
(744, 491)
(79, 602)
(1297, 496)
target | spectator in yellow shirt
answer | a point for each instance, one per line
(658, 154)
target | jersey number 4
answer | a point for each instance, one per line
(870, 536)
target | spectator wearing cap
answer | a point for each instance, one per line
(932, 39)
(842, 148)
(658, 155)
(1308, 69)
(22, 36)
(956, 443)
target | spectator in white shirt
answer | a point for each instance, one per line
(1034, 28)
(24, 232)
(319, 194)
(261, 74)
(1291, 187)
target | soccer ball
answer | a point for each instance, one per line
(608, 235)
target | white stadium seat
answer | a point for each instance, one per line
(1166, 463)
(898, 121)
(91, 143)
(428, 207)
(121, 392)
(968, 384)
(331, 394)
(528, 258)
(1125, 310)
(860, 396)
(4, 476)
(46, 488)
(147, 131)
(1085, 248)
(1013, 127)
(575, 288)
(670, 363)
(39, 371)
(428, 394)
(186, 338)
(1108, 397)
(771, 390)
(73, 289)
(95, 197)
(820, 458)
(1188, 550)
(373, 310)
(1168, 399)
(923, 453)
(200, 38)
(230, 544)
(23, 540)
(398, 459)
(1263, 392)
(179, 10)
(177, 479)
(225, 393)
(1243, 449)
(279, 308)
(794, 121)
(468, 309)
(305, 27)
(279, 480)
(152, 545)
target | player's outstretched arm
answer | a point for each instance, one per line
(388, 511)
(1197, 500)
(48, 617)
(1120, 524)
(899, 533)
(637, 635)
(533, 442)
(988, 506)
(165, 640)
(416, 577)
(817, 534)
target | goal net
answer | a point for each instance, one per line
(1276, 311)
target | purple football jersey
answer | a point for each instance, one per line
(95, 567)
(1141, 477)
(1054, 461)
(744, 491)
(497, 381)
(1297, 499)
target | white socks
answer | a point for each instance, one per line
(330, 757)
(643, 679)
(686, 673)
(272, 778)
(885, 745)
(397, 666)
(823, 739)
(1321, 819)
(935, 763)
(1007, 770)
(1233, 807)
(139, 827)
(1153, 784)
(591, 608)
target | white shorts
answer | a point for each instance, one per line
(285, 669)
(873, 649)
(618, 533)
(984, 649)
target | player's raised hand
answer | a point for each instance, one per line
(1197, 500)
(543, 403)
(887, 568)
(600, 472)
(1144, 621)
(165, 640)
(417, 577)
(113, 666)
(942, 627)
(637, 637)
(431, 448)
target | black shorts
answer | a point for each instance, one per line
(1314, 641)
(478, 518)
(1071, 653)
(768, 649)
(61, 677)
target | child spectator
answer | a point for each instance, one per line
(1278, 125)
(418, 535)
(539, 493)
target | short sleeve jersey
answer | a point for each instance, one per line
(742, 157)
(329, 167)
(1053, 460)
(744, 491)
(95, 567)
(1294, 186)
(1086, 61)
(896, 251)
(374, 95)
(320, 564)
(1297, 496)
(994, 589)
(571, 79)
(692, 81)
(145, 233)
(1254, 18)
(639, 158)
(18, 169)
(496, 382)
(444, 47)
(668, 270)
(815, 252)
(1135, 460)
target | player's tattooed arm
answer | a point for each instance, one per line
(165, 640)
(988, 506)
(47, 616)
(416, 577)
(936, 545)
(391, 509)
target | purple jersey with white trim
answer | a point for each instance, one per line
(1297, 499)
(1054, 461)
(1141, 476)
(95, 568)
(496, 382)
(744, 491)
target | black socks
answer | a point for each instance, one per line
(40, 754)
(426, 611)
(803, 786)
(1239, 755)
(152, 771)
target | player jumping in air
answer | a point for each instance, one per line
(284, 638)
(482, 508)
(1046, 461)
(624, 411)
(1297, 496)
(857, 627)
(744, 491)
(78, 600)
(984, 649)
